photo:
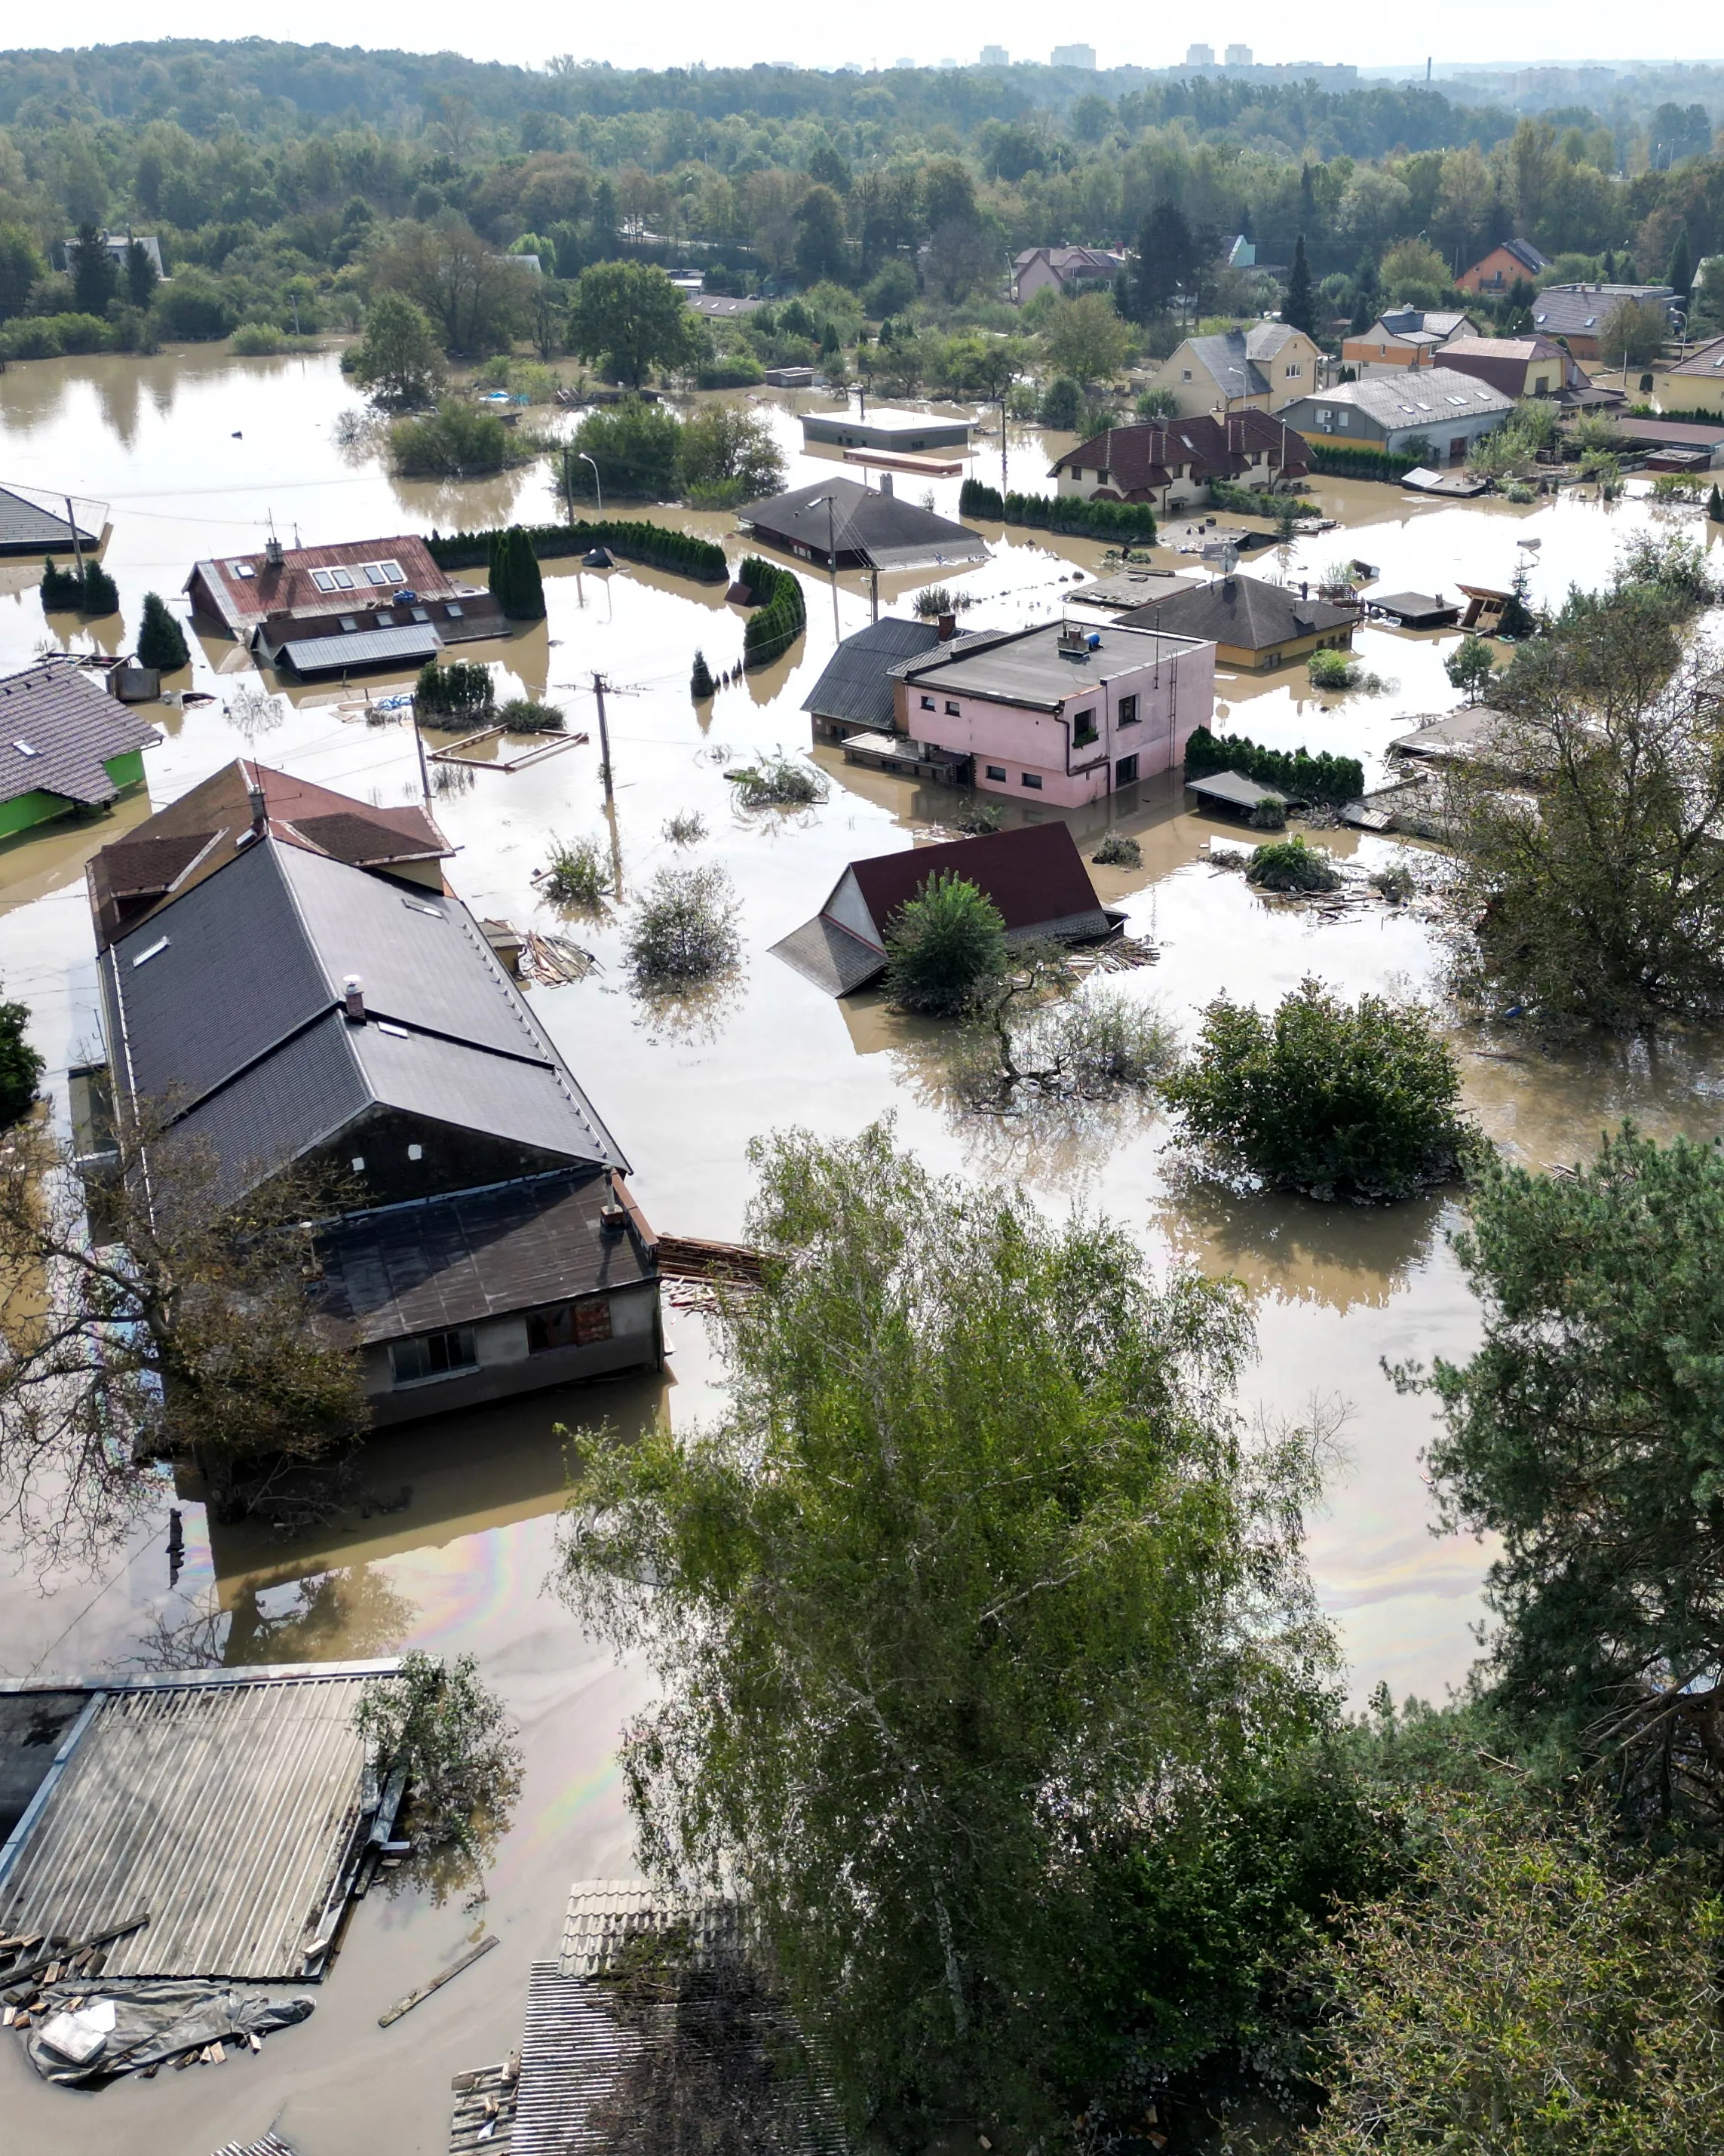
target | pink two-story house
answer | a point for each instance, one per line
(1064, 713)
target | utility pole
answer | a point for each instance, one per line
(424, 769)
(77, 551)
(604, 736)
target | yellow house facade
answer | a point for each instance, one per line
(1259, 368)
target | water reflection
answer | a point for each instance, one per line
(1346, 1257)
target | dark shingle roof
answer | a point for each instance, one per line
(72, 729)
(1141, 459)
(1240, 611)
(880, 527)
(29, 527)
(857, 684)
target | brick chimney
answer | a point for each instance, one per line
(948, 627)
(353, 998)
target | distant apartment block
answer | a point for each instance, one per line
(1200, 56)
(995, 56)
(1239, 56)
(1073, 56)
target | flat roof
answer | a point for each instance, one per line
(1235, 789)
(890, 419)
(1032, 668)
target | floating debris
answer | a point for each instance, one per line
(550, 962)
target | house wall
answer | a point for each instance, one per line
(506, 1367)
(1496, 274)
(1037, 276)
(36, 807)
(1352, 423)
(1692, 392)
(1202, 392)
(1293, 648)
(1174, 698)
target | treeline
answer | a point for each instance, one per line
(781, 614)
(655, 545)
(1128, 521)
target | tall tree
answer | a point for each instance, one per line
(954, 1614)
(96, 279)
(820, 248)
(161, 642)
(630, 316)
(479, 300)
(398, 358)
(1166, 259)
(141, 273)
(1680, 275)
(1298, 308)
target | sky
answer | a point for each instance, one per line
(677, 33)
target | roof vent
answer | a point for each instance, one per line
(353, 998)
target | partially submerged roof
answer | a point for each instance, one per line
(857, 684)
(400, 1269)
(225, 1804)
(28, 525)
(246, 589)
(1243, 612)
(1415, 609)
(1136, 588)
(1684, 433)
(1234, 788)
(59, 733)
(880, 528)
(407, 644)
(603, 1915)
(1453, 735)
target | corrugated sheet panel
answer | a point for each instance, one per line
(225, 1811)
(362, 647)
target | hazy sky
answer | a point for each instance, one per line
(675, 32)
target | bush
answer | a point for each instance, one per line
(577, 874)
(725, 447)
(1062, 401)
(945, 947)
(1469, 667)
(21, 1067)
(890, 291)
(524, 714)
(701, 685)
(636, 447)
(1305, 777)
(161, 642)
(516, 583)
(1357, 461)
(62, 590)
(686, 828)
(1333, 1100)
(976, 819)
(258, 340)
(460, 695)
(1290, 865)
(1086, 1048)
(1332, 669)
(778, 781)
(781, 614)
(192, 308)
(101, 594)
(729, 370)
(684, 929)
(658, 547)
(1117, 851)
(31, 336)
(1131, 521)
(457, 442)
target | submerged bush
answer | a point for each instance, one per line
(577, 873)
(685, 827)
(777, 782)
(684, 928)
(944, 947)
(1118, 851)
(526, 715)
(461, 694)
(1330, 1099)
(1089, 1047)
(1290, 865)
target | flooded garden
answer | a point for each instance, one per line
(199, 455)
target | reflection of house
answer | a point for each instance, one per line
(1577, 313)
(330, 609)
(1515, 262)
(1065, 712)
(1249, 623)
(1035, 876)
(1062, 269)
(1263, 367)
(1437, 407)
(1402, 337)
(863, 526)
(306, 990)
(1172, 464)
(63, 745)
(1697, 383)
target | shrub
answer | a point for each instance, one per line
(945, 947)
(1330, 1099)
(636, 447)
(258, 340)
(461, 694)
(577, 873)
(976, 819)
(21, 1067)
(526, 715)
(1305, 777)
(890, 291)
(31, 336)
(1357, 461)
(101, 594)
(192, 308)
(684, 928)
(515, 583)
(1469, 667)
(455, 443)
(61, 588)
(1128, 521)
(730, 370)
(660, 548)
(1062, 401)
(1290, 865)
(728, 448)
(685, 827)
(781, 614)
(1331, 668)
(701, 685)
(777, 782)
(161, 642)
(82, 333)
(1118, 851)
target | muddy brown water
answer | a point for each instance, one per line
(195, 454)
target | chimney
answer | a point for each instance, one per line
(948, 627)
(353, 998)
(260, 812)
(272, 551)
(885, 482)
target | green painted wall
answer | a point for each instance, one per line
(28, 808)
(127, 770)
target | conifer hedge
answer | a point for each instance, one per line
(1053, 512)
(1357, 460)
(1303, 776)
(781, 616)
(653, 544)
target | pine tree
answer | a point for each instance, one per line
(524, 600)
(61, 589)
(161, 642)
(701, 685)
(101, 594)
(1296, 309)
(497, 559)
(1715, 506)
(1680, 275)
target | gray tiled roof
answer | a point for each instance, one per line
(857, 684)
(1235, 372)
(1415, 397)
(72, 729)
(1563, 311)
(29, 527)
(1240, 611)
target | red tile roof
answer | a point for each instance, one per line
(1138, 460)
(245, 600)
(1033, 875)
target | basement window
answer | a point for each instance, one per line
(1033, 780)
(433, 1355)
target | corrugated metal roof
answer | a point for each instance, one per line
(58, 731)
(227, 1810)
(364, 647)
(857, 684)
(30, 527)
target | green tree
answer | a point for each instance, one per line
(20, 266)
(1633, 334)
(1414, 273)
(975, 1558)
(1298, 308)
(100, 595)
(820, 245)
(1527, 1991)
(1680, 274)
(141, 277)
(21, 1067)
(1469, 667)
(728, 455)
(524, 588)
(1085, 339)
(945, 946)
(1166, 259)
(96, 280)
(1335, 1099)
(636, 447)
(161, 642)
(398, 359)
(1585, 1436)
(890, 291)
(630, 316)
(458, 441)
(480, 301)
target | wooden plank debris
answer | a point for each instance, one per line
(689, 1257)
(417, 1998)
(551, 744)
(552, 961)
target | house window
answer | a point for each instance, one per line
(348, 622)
(1032, 779)
(928, 703)
(951, 710)
(1185, 374)
(1083, 730)
(1342, 420)
(433, 1355)
(453, 613)
(1125, 772)
(385, 621)
(1128, 711)
(996, 771)
(1295, 371)
(569, 1325)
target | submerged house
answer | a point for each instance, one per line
(1248, 622)
(298, 985)
(859, 527)
(1034, 876)
(64, 746)
(312, 610)
(31, 526)
(1173, 464)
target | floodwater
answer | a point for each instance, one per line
(195, 454)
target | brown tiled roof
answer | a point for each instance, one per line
(1140, 460)
(1032, 875)
(243, 601)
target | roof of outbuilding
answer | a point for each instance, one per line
(857, 684)
(887, 529)
(32, 527)
(58, 731)
(362, 647)
(1240, 611)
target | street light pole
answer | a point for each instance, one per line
(598, 490)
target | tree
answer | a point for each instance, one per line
(141, 277)
(727, 451)
(1527, 1990)
(1085, 339)
(21, 1067)
(945, 946)
(101, 594)
(180, 1320)
(1158, 404)
(1680, 275)
(632, 317)
(890, 291)
(398, 358)
(458, 441)
(516, 582)
(961, 254)
(636, 447)
(20, 266)
(1334, 1100)
(684, 928)
(977, 1557)
(1166, 259)
(1584, 1435)
(1298, 310)
(96, 279)
(821, 249)
(1414, 272)
(161, 642)
(1633, 334)
(1469, 667)
(480, 301)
